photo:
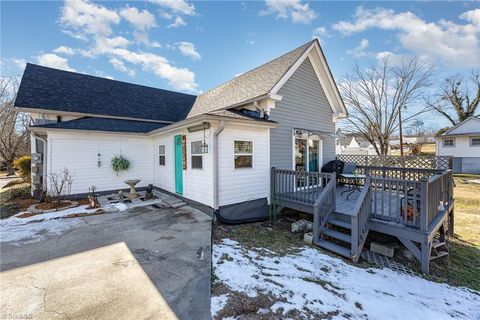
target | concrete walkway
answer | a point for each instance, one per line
(144, 263)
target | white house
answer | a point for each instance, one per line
(462, 142)
(215, 149)
(356, 145)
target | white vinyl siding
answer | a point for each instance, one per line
(79, 154)
(238, 185)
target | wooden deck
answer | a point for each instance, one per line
(410, 204)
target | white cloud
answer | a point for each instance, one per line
(64, 50)
(188, 49)
(359, 51)
(53, 61)
(86, 17)
(177, 6)
(120, 66)
(142, 37)
(179, 78)
(452, 43)
(141, 20)
(320, 33)
(250, 42)
(178, 22)
(20, 63)
(294, 9)
(93, 23)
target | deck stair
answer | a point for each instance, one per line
(336, 236)
(439, 249)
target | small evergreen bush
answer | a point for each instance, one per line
(24, 165)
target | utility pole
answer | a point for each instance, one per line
(400, 128)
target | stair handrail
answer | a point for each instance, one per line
(321, 214)
(360, 220)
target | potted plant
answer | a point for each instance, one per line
(119, 163)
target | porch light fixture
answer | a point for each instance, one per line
(204, 143)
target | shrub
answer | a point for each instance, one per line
(119, 163)
(24, 165)
(60, 185)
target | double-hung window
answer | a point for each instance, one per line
(448, 142)
(197, 156)
(243, 154)
(161, 155)
(475, 141)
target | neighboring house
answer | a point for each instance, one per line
(417, 139)
(215, 149)
(462, 142)
(357, 145)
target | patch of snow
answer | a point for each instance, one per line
(218, 303)
(18, 231)
(320, 283)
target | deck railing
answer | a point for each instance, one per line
(300, 186)
(324, 207)
(397, 173)
(360, 226)
(411, 203)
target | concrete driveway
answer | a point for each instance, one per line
(144, 263)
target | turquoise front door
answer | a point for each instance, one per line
(178, 164)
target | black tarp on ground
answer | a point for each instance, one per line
(244, 212)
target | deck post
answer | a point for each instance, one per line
(424, 206)
(316, 223)
(451, 223)
(425, 258)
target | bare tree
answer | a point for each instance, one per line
(455, 102)
(60, 183)
(13, 124)
(375, 96)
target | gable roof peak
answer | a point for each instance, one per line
(249, 85)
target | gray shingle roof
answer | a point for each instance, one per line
(249, 85)
(104, 124)
(58, 90)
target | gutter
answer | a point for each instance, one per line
(215, 164)
(44, 162)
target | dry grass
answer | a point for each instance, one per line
(462, 266)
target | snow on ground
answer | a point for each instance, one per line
(320, 283)
(18, 231)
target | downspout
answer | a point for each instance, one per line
(215, 164)
(44, 162)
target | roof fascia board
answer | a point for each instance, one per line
(63, 130)
(322, 71)
(93, 115)
(458, 125)
(208, 117)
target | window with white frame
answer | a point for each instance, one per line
(448, 142)
(475, 141)
(197, 156)
(161, 155)
(243, 154)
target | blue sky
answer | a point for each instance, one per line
(194, 46)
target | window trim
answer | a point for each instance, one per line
(164, 155)
(443, 143)
(200, 154)
(471, 141)
(243, 154)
